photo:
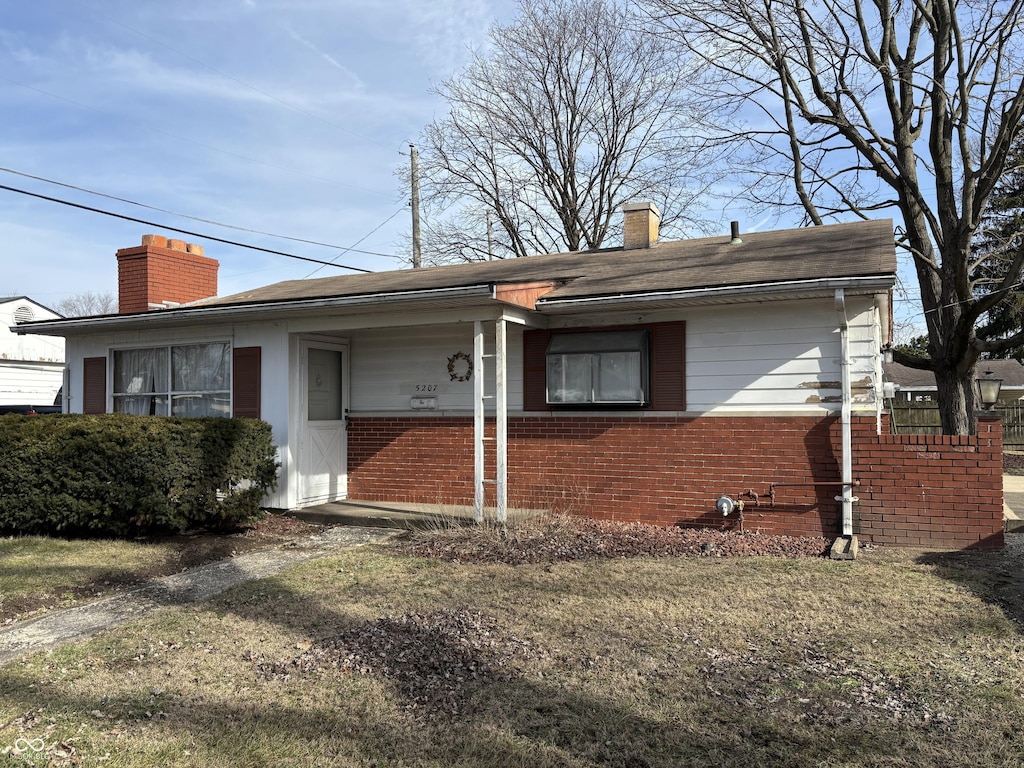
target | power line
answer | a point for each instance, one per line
(186, 231)
(357, 242)
(342, 248)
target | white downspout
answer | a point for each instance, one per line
(847, 449)
(882, 338)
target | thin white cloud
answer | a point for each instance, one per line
(155, 102)
(445, 31)
(322, 54)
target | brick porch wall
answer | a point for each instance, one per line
(940, 491)
(914, 490)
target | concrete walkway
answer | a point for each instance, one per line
(188, 586)
(1013, 503)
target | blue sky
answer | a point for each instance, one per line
(291, 117)
(286, 116)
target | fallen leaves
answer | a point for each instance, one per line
(559, 539)
(434, 659)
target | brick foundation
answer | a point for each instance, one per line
(943, 492)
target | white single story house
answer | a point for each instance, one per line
(639, 382)
(31, 365)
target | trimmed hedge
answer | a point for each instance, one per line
(121, 475)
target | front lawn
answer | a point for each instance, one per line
(38, 574)
(383, 657)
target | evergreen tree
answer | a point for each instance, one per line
(1002, 238)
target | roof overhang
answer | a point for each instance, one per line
(462, 297)
(435, 298)
(694, 297)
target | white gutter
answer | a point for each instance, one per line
(847, 497)
(190, 313)
(754, 289)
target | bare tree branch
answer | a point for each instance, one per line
(572, 111)
(910, 105)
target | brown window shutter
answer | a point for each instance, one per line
(535, 346)
(94, 385)
(245, 382)
(668, 366)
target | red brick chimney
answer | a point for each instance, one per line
(161, 273)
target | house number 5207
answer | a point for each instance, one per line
(426, 387)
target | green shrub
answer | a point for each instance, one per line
(115, 474)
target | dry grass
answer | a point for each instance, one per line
(378, 658)
(40, 574)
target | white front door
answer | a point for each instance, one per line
(323, 459)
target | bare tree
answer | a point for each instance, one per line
(572, 111)
(860, 107)
(88, 303)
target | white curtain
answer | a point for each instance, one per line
(140, 381)
(201, 380)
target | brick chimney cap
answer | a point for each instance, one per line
(628, 207)
(158, 241)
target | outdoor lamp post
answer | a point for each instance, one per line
(989, 387)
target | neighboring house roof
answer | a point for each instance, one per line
(23, 299)
(792, 263)
(906, 378)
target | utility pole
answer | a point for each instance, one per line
(414, 159)
(490, 238)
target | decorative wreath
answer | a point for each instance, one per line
(467, 367)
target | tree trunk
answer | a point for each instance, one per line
(956, 402)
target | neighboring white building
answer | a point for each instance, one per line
(31, 366)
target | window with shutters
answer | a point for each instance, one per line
(598, 368)
(641, 366)
(181, 380)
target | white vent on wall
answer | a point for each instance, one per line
(24, 314)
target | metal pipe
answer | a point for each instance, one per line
(821, 482)
(846, 498)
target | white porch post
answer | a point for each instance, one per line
(478, 422)
(501, 417)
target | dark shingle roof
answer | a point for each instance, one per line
(864, 248)
(1010, 371)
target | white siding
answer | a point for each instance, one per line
(777, 356)
(392, 366)
(30, 383)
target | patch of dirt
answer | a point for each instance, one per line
(567, 538)
(201, 547)
(826, 689)
(433, 659)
